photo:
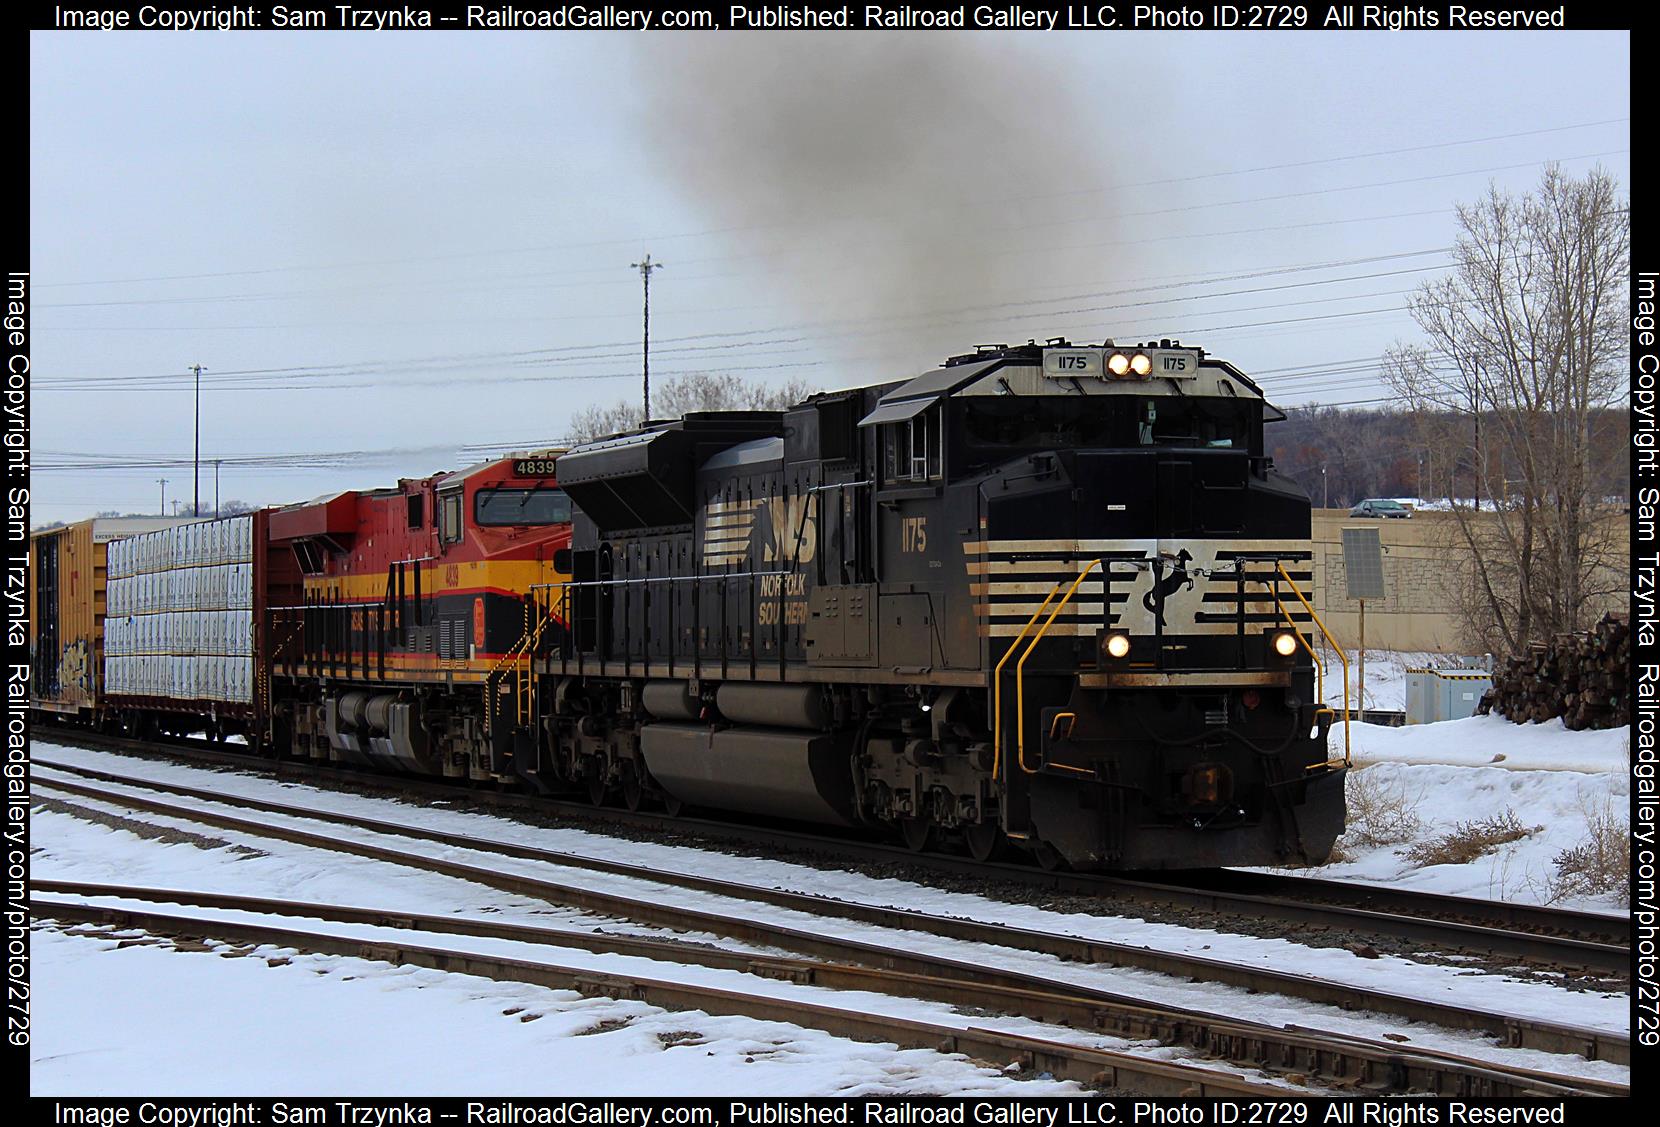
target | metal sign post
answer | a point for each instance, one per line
(1363, 562)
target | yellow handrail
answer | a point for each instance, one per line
(521, 654)
(1319, 666)
(1341, 656)
(997, 684)
(1020, 666)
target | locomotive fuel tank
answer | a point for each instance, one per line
(776, 772)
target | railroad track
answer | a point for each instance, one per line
(1601, 939)
(1507, 1029)
(1573, 942)
(1093, 1067)
(1348, 1064)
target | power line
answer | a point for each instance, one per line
(578, 353)
(537, 249)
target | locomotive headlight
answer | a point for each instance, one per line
(1285, 643)
(1118, 645)
(1140, 364)
(1118, 363)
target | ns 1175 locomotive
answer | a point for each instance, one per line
(1044, 596)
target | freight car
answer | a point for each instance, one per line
(156, 623)
(1044, 595)
(68, 601)
(187, 615)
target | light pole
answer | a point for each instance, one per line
(216, 462)
(196, 465)
(645, 266)
(162, 481)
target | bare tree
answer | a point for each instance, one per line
(1522, 357)
(700, 391)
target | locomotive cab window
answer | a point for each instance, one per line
(521, 506)
(417, 514)
(449, 517)
(1208, 423)
(913, 449)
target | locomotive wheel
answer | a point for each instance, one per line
(1049, 857)
(672, 805)
(598, 789)
(985, 841)
(917, 832)
(633, 790)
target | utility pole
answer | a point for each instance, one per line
(162, 481)
(1325, 488)
(216, 462)
(196, 505)
(645, 266)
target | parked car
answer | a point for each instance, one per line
(1380, 507)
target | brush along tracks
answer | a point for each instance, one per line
(1337, 1060)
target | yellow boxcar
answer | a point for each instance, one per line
(66, 593)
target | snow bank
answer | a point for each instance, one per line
(1481, 741)
(1555, 782)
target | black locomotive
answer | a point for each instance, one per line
(1043, 595)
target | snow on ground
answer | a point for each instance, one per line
(191, 865)
(150, 1020)
(1493, 741)
(1429, 779)
(73, 849)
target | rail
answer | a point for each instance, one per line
(1522, 1032)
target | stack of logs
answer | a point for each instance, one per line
(1583, 678)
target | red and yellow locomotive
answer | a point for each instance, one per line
(414, 611)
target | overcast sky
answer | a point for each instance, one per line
(386, 249)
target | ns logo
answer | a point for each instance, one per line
(791, 532)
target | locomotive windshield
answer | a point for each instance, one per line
(521, 506)
(1052, 422)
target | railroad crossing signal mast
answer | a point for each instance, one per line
(645, 266)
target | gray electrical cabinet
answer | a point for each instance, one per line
(1433, 695)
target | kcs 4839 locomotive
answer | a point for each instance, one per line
(1044, 596)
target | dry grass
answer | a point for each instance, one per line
(1469, 840)
(1381, 812)
(1600, 863)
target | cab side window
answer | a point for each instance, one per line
(449, 517)
(914, 449)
